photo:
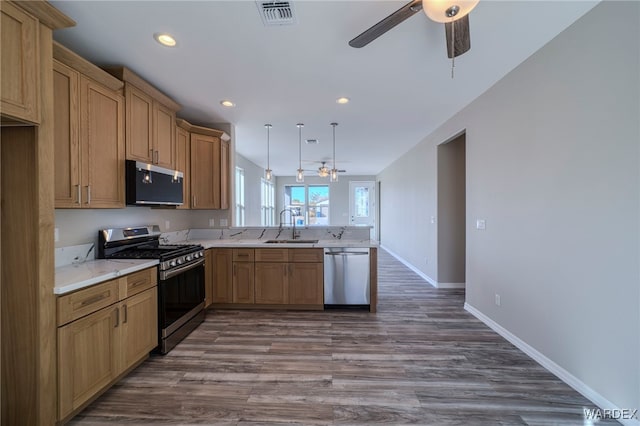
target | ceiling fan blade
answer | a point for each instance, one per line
(406, 11)
(462, 42)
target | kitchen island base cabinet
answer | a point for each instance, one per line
(98, 345)
(306, 284)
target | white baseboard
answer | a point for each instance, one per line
(451, 285)
(413, 268)
(554, 368)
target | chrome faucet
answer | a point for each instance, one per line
(292, 213)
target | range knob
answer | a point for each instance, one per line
(188, 258)
(172, 263)
(196, 255)
(179, 261)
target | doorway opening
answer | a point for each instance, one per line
(451, 213)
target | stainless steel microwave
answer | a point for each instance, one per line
(148, 184)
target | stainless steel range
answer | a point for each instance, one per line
(180, 277)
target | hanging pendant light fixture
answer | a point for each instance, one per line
(300, 174)
(334, 171)
(267, 172)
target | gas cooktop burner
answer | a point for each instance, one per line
(144, 243)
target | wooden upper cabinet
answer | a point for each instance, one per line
(183, 164)
(102, 146)
(19, 89)
(88, 134)
(205, 174)
(139, 127)
(150, 123)
(224, 174)
(209, 166)
(66, 86)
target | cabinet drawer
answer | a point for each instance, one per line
(272, 255)
(139, 282)
(306, 255)
(83, 302)
(243, 255)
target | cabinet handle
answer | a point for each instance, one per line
(137, 283)
(79, 193)
(234, 270)
(124, 307)
(193, 200)
(88, 194)
(157, 157)
(93, 299)
(117, 318)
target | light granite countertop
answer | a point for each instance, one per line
(254, 243)
(76, 276)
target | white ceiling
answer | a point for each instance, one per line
(400, 85)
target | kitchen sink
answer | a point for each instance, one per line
(291, 241)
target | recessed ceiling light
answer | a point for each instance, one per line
(227, 103)
(343, 100)
(165, 39)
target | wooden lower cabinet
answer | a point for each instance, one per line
(306, 284)
(271, 283)
(221, 275)
(98, 348)
(269, 277)
(87, 358)
(243, 282)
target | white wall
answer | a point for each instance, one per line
(552, 165)
(253, 175)
(80, 226)
(338, 195)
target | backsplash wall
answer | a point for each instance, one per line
(80, 226)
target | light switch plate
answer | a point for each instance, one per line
(56, 234)
(167, 225)
(212, 223)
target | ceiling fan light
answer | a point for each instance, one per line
(437, 10)
(323, 171)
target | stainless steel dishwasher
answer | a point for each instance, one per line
(346, 276)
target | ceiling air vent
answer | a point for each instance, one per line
(312, 141)
(276, 12)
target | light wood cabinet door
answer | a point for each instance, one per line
(224, 175)
(66, 87)
(183, 164)
(243, 282)
(205, 173)
(19, 86)
(222, 275)
(139, 316)
(139, 131)
(306, 283)
(164, 136)
(102, 146)
(87, 357)
(271, 283)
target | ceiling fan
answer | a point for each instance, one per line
(453, 13)
(323, 170)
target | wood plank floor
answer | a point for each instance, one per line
(421, 360)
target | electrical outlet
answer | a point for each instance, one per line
(433, 219)
(56, 234)
(167, 225)
(497, 299)
(212, 223)
(481, 224)
(223, 222)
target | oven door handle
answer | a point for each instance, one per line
(165, 275)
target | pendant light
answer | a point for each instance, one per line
(300, 174)
(334, 171)
(267, 172)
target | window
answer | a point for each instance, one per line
(268, 203)
(310, 204)
(239, 197)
